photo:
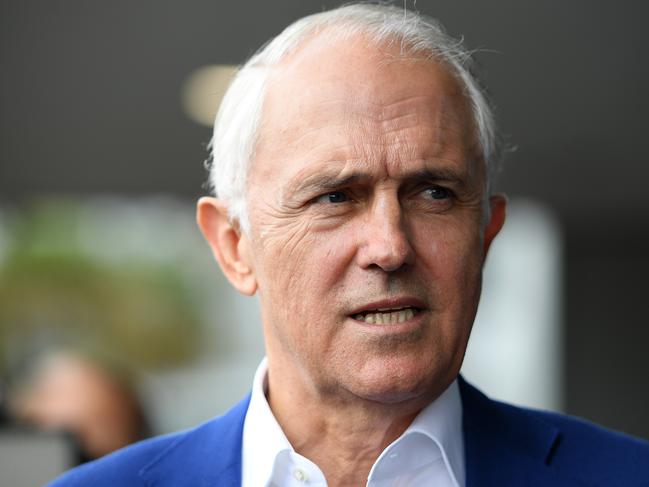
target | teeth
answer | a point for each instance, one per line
(389, 318)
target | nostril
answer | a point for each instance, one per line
(387, 254)
(390, 266)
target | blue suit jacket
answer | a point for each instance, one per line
(504, 446)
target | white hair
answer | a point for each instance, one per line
(238, 120)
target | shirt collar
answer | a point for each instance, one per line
(441, 421)
(264, 440)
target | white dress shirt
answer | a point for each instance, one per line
(429, 453)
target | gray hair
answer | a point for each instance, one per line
(238, 119)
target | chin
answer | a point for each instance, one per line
(392, 384)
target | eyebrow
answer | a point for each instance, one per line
(437, 174)
(324, 181)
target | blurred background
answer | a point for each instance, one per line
(104, 278)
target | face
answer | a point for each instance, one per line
(367, 238)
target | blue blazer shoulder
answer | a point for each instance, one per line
(208, 455)
(506, 445)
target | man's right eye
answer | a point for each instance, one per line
(332, 197)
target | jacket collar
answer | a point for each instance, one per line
(208, 456)
(506, 445)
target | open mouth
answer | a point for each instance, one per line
(387, 316)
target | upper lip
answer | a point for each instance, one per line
(391, 303)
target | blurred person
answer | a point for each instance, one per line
(351, 162)
(68, 392)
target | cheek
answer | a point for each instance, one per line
(463, 237)
(451, 257)
(300, 277)
(296, 260)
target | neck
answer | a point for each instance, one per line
(342, 435)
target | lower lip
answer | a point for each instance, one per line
(392, 328)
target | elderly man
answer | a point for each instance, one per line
(351, 164)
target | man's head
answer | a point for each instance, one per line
(365, 226)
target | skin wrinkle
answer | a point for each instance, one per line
(283, 225)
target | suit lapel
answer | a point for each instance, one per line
(507, 446)
(208, 456)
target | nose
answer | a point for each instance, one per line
(384, 240)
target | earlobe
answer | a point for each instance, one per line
(498, 206)
(229, 246)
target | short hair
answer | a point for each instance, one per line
(237, 122)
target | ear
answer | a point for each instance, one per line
(229, 246)
(498, 206)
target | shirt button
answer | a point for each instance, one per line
(300, 475)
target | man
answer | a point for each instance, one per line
(351, 164)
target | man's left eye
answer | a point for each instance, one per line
(333, 197)
(438, 192)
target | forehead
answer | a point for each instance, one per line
(350, 99)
